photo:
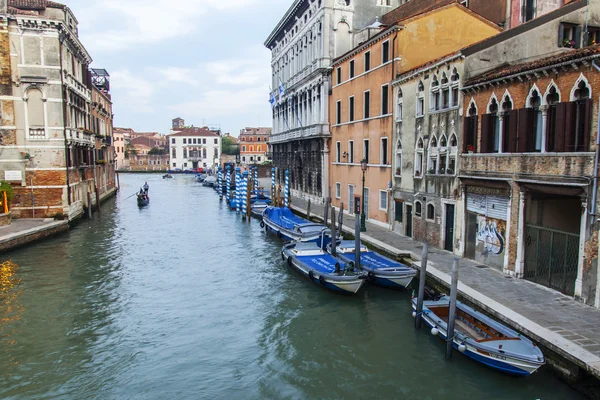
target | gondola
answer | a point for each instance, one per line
(143, 200)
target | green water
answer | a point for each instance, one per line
(182, 300)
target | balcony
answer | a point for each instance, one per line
(528, 165)
(78, 87)
(79, 137)
(307, 132)
(37, 133)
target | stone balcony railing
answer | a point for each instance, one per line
(528, 165)
(306, 132)
(79, 137)
(78, 87)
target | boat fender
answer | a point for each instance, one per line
(351, 266)
(337, 267)
(434, 331)
(290, 262)
(462, 348)
(282, 256)
(262, 224)
(371, 275)
(322, 280)
(311, 275)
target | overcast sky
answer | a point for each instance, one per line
(202, 60)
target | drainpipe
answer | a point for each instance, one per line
(595, 192)
(64, 104)
(507, 22)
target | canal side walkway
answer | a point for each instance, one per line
(24, 231)
(557, 322)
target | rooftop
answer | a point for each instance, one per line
(195, 132)
(566, 56)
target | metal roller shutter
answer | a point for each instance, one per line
(490, 206)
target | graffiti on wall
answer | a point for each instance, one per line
(490, 236)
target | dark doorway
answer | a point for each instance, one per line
(449, 237)
(409, 221)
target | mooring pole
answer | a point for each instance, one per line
(357, 242)
(326, 211)
(422, 278)
(89, 210)
(452, 311)
(333, 233)
(308, 210)
(341, 218)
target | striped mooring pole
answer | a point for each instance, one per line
(220, 183)
(256, 179)
(286, 190)
(244, 193)
(273, 186)
(228, 183)
(238, 189)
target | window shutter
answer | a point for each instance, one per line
(561, 35)
(570, 119)
(466, 130)
(486, 124)
(559, 128)
(587, 124)
(577, 36)
(522, 132)
(531, 128)
(510, 140)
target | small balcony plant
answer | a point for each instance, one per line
(470, 149)
(569, 43)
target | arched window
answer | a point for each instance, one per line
(243, 148)
(534, 101)
(443, 141)
(579, 126)
(435, 98)
(433, 142)
(251, 148)
(204, 153)
(430, 212)
(399, 159)
(490, 128)
(470, 129)
(420, 99)
(399, 106)
(419, 153)
(418, 209)
(453, 141)
(433, 164)
(35, 113)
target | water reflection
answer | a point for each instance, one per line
(183, 300)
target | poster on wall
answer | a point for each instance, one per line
(13, 176)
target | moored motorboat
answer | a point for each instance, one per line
(257, 208)
(322, 268)
(289, 227)
(481, 338)
(381, 270)
(167, 176)
(209, 181)
(143, 199)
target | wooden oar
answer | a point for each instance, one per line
(135, 194)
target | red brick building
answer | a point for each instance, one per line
(527, 170)
(254, 145)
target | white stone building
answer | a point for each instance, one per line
(193, 148)
(303, 45)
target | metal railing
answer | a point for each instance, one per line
(551, 258)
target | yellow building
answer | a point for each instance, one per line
(361, 114)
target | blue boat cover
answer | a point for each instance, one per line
(285, 218)
(324, 263)
(375, 260)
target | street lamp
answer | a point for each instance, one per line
(363, 225)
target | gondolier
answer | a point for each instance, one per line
(146, 187)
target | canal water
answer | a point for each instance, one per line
(182, 300)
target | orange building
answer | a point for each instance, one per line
(360, 106)
(254, 145)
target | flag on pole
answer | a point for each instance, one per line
(272, 100)
(281, 90)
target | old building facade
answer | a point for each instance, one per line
(193, 148)
(48, 144)
(254, 145)
(527, 164)
(303, 45)
(122, 139)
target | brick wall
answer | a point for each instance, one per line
(7, 136)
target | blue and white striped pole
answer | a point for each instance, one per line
(228, 183)
(286, 190)
(256, 179)
(238, 189)
(244, 194)
(219, 183)
(273, 186)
